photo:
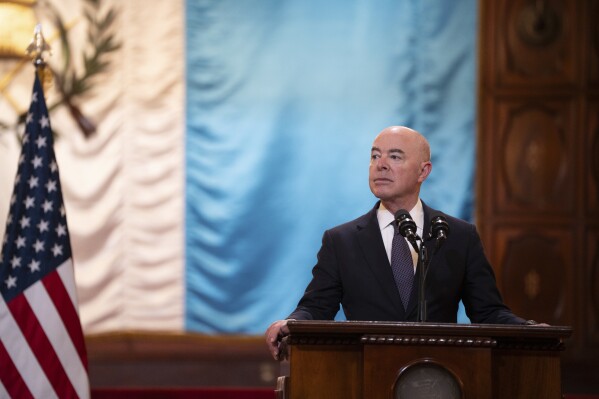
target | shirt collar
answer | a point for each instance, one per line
(385, 217)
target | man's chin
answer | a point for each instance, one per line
(381, 195)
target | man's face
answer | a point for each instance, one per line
(398, 165)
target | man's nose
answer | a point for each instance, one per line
(381, 164)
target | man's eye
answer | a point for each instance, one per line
(375, 156)
(395, 157)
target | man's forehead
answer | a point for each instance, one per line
(392, 149)
(401, 139)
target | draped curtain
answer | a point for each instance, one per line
(283, 101)
(122, 187)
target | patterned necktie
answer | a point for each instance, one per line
(402, 266)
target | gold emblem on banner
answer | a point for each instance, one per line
(18, 20)
(18, 23)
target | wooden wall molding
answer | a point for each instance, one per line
(165, 359)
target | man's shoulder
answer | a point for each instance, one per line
(453, 221)
(356, 224)
(457, 221)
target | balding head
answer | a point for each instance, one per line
(405, 133)
(399, 163)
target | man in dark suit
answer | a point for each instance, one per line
(354, 263)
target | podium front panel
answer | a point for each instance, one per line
(383, 364)
(318, 372)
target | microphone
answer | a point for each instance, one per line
(407, 226)
(439, 229)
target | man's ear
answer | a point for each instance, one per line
(425, 170)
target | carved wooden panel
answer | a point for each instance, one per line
(592, 16)
(536, 42)
(538, 159)
(537, 272)
(591, 280)
(591, 155)
(534, 155)
(337, 372)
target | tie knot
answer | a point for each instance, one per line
(395, 225)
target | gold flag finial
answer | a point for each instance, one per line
(37, 50)
(38, 47)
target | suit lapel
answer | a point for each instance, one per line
(373, 249)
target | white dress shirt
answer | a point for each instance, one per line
(386, 219)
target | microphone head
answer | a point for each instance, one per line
(407, 226)
(439, 227)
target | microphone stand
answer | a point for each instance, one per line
(422, 266)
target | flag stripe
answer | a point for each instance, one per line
(25, 361)
(67, 275)
(41, 346)
(50, 320)
(63, 304)
(9, 373)
(3, 391)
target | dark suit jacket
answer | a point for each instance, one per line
(353, 270)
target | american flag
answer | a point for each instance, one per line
(42, 351)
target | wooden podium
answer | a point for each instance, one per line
(385, 360)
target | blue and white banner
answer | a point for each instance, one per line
(283, 101)
(231, 134)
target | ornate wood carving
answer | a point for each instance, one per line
(537, 273)
(536, 157)
(536, 40)
(431, 341)
(465, 342)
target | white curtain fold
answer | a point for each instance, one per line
(123, 187)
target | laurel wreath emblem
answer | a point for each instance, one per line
(73, 85)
